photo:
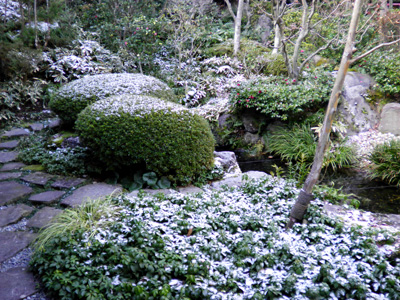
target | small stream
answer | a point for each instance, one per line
(374, 196)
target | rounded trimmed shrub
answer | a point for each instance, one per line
(73, 97)
(131, 129)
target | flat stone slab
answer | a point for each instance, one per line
(38, 178)
(11, 191)
(6, 157)
(16, 284)
(12, 242)
(13, 214)
(9, 145)
(67, 182)
(91, 191)
(9, 175)
(12, 166)
(43, 217)
(54, 123)
(47, 197)
(190, 190)
(36, 126)
(16, 132)
(238, 180)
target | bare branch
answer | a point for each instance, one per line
(316, 52)
(372, 50)
(228, 3)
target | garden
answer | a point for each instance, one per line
(144, 94)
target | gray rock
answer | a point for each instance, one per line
(16, 132)
(47, 197)
(223, 121)
(9, 145)
(252, 120)
(43, 217)
(12, 242)
(38, 178)
(16, 284)
(237, 181)
(12, 166)
(251, 138)
(91, 191)
(190, 190)
(264, 26)
(390, 119)
(353, 109)
(67, 182)
(36, 126)
(9, 175)
(227, 160)
(256, 174)
(11, 191)
(13, 214)
(6, 157)
(150, 192)
(54, 123)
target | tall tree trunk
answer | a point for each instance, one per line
(277, 39)
(305, 196)
(238, 28)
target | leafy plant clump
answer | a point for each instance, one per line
(282, 98)
(73, 97)
(218, 245)
(385, 160)
(166, 137)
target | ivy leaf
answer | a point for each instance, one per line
(150, 178)
(164, 183)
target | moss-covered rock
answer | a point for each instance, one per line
(167, 137)
(73, 97)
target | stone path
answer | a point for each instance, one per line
(29, 200)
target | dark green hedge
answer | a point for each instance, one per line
(168, 138)
(73, 97)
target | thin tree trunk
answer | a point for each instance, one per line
(305, 196)
(277, 39)
(35, 15)
(238, 27)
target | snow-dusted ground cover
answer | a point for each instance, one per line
(221, 245)
(11, 11)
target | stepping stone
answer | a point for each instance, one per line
(38, 178)
(6, 157)
(9, 145)
(48, 197)
(16, 132)
(36, 126)
(91, 191)
(12, 242)
(13, 214)
(67, 182)
(11, 191)
(237, 181)
(43, 217)
(54, 123)
(16, 284)
(12, 166)
(9, 175)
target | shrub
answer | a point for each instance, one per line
(168, 138)
(73, 97)
(219, 245)
(280, 97)
(385, 160)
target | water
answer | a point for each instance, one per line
(374, 196)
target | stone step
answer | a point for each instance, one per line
(10, 156)
(43, 217)
(48, 197)
(10, 175)
(38, 178)
(12, 166)
(67, 182)
(11, 191)
(16, 132)
(9, 145)
(14, 241)
(91, 191)
(16, 284)
(36, 126)
(13, 214)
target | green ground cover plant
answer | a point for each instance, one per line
(385, 160)
(228, 244)
(281, 97)
(166, 137)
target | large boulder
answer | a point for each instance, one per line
(73, 97)
(354, 110)
(390, 119)
(166, 137)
